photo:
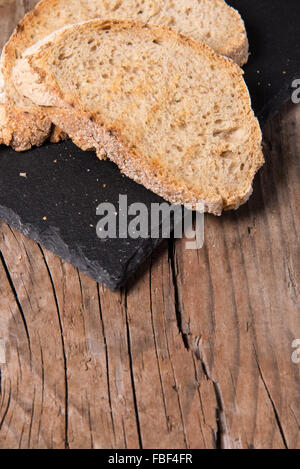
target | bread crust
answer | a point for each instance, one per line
(24, 128)
(89, 132)
(21, 129)
(236, 49)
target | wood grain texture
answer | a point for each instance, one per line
(195, 353)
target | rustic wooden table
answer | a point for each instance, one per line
(195, 353)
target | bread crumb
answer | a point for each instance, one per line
(23, 175)
(44, 218)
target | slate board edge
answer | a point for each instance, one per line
(274, 106)
(50, 239)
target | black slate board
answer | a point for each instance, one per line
(273, 28)
(68, 191)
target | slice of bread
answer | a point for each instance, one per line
(171, 113)
(211, 21)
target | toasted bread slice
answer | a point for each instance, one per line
(211, 21)
(171, 113)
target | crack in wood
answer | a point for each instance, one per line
(201, 402)
(135, 402)
(178, 310)
(21, 435)
(90, 423)
(175, 387)
(221, 431)
(107, 362)
(220, 419)
(20, 309)
(292, 284)
(63, 350)
(31, 417)
(7, 406)
(155, 346)
(124, 433)
(276, 414)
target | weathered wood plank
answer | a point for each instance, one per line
(92, 321)
(166, 375)
(33, 380)
(195, 353)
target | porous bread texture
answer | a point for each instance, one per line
(172, 114)
(211, 21)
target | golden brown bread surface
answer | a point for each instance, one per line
(171, 113)
(211, 21)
